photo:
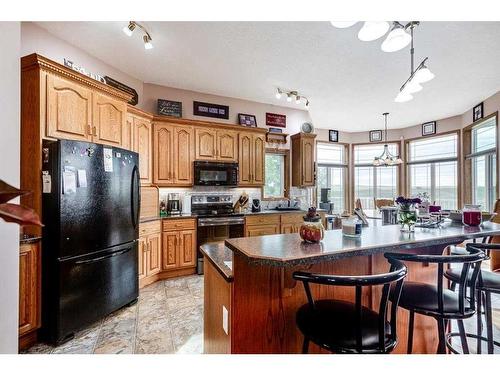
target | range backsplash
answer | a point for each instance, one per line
(305, 195)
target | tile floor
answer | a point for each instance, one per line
(167, 319)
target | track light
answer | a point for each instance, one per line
(278, 94)
(343, 24)
(423, 74)
(147, 42)
(373, 30)
(307, 104)
(289, 97)
(128, 30)
(297, 99)
(292, 95)
(397, 39)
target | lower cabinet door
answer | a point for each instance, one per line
(154, 257)
(287, 228)
(142, 252)
(169, 253)
(262, 230)
(29, 288)
(187, 248)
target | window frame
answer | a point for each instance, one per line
(468, 157)
(346, 173)
(353, 166)
(286, 154)
(457, 159)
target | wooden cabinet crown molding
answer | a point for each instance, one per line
(209, 124)
(35, 60)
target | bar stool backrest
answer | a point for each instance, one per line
(467, 290)
(393, 278)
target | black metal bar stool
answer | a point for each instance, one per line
(435, 301)
(346, 327)
(487, 283)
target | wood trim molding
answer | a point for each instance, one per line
(35, 60)
(217, 125)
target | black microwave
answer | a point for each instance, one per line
(208, 173)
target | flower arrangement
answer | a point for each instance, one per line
(407, 213)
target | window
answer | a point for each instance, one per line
(371, 182)
(482, 162)
(432, 168)
(276, 172)
(332, 168)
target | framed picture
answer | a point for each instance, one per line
(211, 110)
(333, 135)
(275, 130)
(477, 112)
(247, 120)
(275, 119)
(169, 108)
(375, 135)
(428, 128)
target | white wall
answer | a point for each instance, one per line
(10, 39)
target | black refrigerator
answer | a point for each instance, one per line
(91, 200)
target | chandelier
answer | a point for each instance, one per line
(387, 158)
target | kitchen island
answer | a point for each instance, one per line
(253, 310)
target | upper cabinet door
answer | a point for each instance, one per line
(69, 110)
(109, 119)
(308, 161)
(142, 145)
(183, 155)
(227, 145)
(206, 144)
(128, 133)
(245, 159)
(163, 154)
(259, 152)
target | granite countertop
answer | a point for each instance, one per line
(290, 250)
(29, 238)
(220, 256)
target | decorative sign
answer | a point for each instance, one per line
(247, 120)
(477, 112)
(80, 69)
(120, 86)
(169, 108)
(333, 135)
(429, 128)
(211, 110)
(274, 119)
(375, 135)
(275, 130)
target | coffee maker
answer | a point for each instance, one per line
(174, 204)
(325, 203)
(255, 205)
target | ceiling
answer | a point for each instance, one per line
(349, 82)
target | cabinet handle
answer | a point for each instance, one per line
(95, 131)
(89, 129)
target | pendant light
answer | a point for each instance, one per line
(343, 24)
(423, 74)
(397, 39)
(386, 158)
(373, 30)
(403, 97)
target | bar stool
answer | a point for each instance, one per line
(437, 302)
(346, 327)
(487, 283)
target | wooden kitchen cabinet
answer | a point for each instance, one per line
(149, 252)
(68, 109)
(142, 253)
(216, 144)
(187, 248)
(170, 255)
(143, 134)
(108, 120)
(227, 145)
(128, 132)
(154, 257)
(303, 166)
(29, 293)
(291, 222)
(251, 159)
(178, 244)
(261, 225)
(173, 155)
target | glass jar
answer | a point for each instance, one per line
(312, 231)
(471, 215)
(407, 219)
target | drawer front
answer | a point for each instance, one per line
(262, 230)
(149, 227)
(262, 219)
(292, 218)
(179, 224)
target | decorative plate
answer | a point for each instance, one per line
(307, 127)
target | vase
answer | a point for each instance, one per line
(312, 231)
(407, 219)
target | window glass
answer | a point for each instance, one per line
(364, 154)
(275, 176)
(420, 177)
(484, 136)
(387, 182)
(479, 187)
(364, 187)
(334, 179)
(446, 193)
(434, 148)
(330, 153)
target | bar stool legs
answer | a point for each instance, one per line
(489, 322)
(442, 336)
(410, 332)
(305, 346)
(479, 321)
(463, 337)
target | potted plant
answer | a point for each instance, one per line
(407, 213)
(15, 213)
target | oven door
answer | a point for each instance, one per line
(215, 174)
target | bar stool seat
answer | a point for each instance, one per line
(488, 280)
(423, 299)
(332, 325)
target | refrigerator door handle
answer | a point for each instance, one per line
(135, 196)
(101, 258)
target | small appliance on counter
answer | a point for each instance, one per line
(174, 204)
(325, 203)
(256, 205)
(242, 203)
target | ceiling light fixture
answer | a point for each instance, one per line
(343, 24)
(129, 30)
(373, 30)
(386, 158)
(292, 95)
(417, 76)
(398, 38)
